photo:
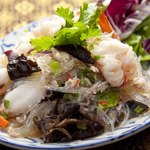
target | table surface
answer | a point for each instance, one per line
(17, 13)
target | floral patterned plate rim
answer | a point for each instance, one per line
(131, 127)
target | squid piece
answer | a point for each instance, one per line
(4, 81)
(23, 46)
(4, 77)
(3, 61)
(24, 97)
(48, 28)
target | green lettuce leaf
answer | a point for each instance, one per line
(141, 33)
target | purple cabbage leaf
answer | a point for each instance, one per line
(126, 15)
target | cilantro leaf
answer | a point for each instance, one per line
(89, 14)
(74, 33)
(108, 99)
(70, 35)
(42, 44)
(67, 14)
(90, 33)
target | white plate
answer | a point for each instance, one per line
(131, 127)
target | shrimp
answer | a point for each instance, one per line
(119, 63)
(24, 97)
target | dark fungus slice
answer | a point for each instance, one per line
(53, 95)
(92, 129)
(68, 129)
(57, 134)
(46, 123)
(21, 67)
(69, 124)
(68, 110)
(81, 129)
(78, 52)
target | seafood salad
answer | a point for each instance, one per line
(71, 78)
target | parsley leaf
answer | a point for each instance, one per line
(67, 14)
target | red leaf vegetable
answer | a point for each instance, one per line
(126, 15)
(146, 45)
(11, 55)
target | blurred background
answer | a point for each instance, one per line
(17, 13)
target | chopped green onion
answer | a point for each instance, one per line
(81, 126)
(139, 109)
(83, 82)
(97, 57)
(88, 74)
(69, 96)
(4, 115)
(55, 67)
(26, 30)
(6, 104)
(91, 46)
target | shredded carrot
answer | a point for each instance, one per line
(124, 81)
(52, 55)
(106, 26)
(103, 102)
(68, 76)
(77, 83)
(3, 122)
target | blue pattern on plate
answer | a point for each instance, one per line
(131, 127)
